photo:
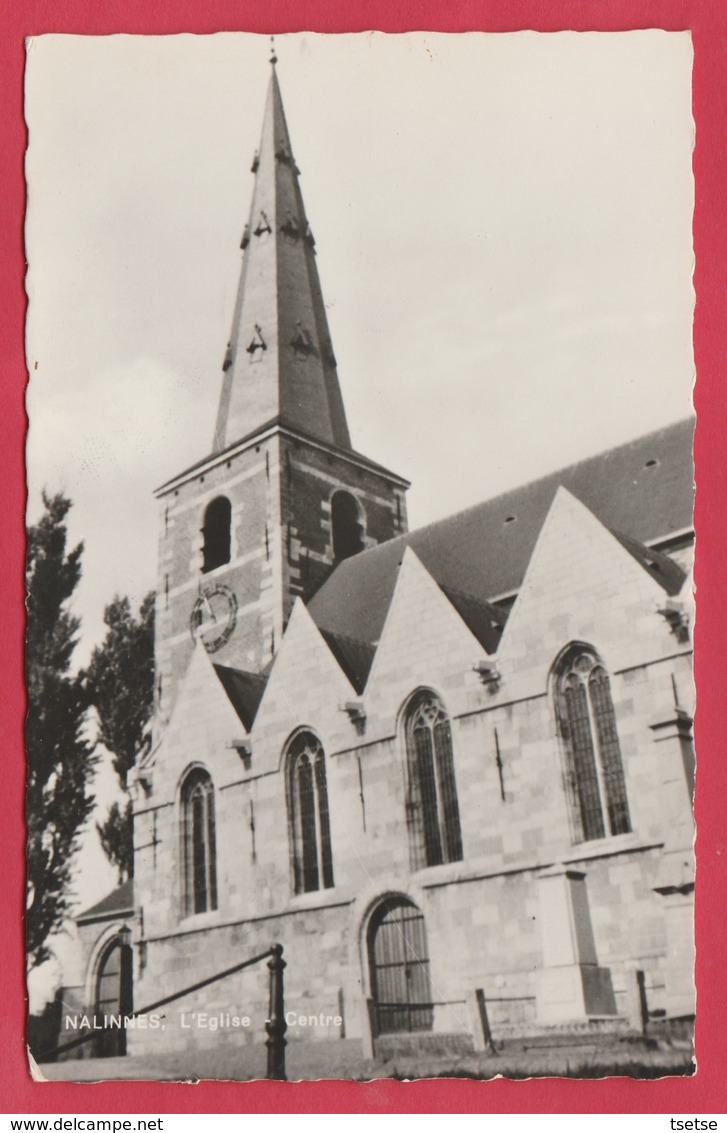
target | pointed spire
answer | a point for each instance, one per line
(279, 364)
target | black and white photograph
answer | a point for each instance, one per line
(360, 545)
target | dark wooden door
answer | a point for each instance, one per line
(113, 1000)
(399, 960)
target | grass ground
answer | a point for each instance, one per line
(343, 1059)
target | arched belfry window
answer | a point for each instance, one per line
(199, 857)
(310, 829)
(346, 527)
(431, 807)
(587, 725)
(216, 534)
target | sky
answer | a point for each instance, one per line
(503, 229)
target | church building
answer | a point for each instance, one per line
(449, 770)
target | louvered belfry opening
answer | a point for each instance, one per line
(587, 724)
(308, 815)
(346, 529)
(432, 806)
(399, 965)
(216, 534)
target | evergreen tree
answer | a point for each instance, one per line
(116, 834)
(60, 761)
(120, 681)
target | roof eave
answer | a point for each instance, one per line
(269, 429)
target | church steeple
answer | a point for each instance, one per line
(279, 366)
(283, 498)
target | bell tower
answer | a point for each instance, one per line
(282, 496)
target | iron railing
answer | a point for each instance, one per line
(275, 1025)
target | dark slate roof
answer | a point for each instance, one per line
(118, 901)
(484, 620)
(244, 691)
(354, 657)
(643, 489)
(664, 570)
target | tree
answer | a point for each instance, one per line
(60, 760)
(120, 680)
(116, 834)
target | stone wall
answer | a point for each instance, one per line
(482, 914)
(280, 491)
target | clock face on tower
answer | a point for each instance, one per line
(213, 617)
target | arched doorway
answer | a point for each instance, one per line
(113, 998)
(399, 963)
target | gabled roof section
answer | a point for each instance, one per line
(119, 901)
(643, 489)
(484, 620)
(244, 691)
(354, 657)
(279, 364)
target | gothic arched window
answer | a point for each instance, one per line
(308, 814)
(199, 858)
(216, 534)
(587, 724)
(346, 528)
(432, 809)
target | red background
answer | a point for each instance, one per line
(707, 20)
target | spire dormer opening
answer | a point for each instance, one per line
(257, 346)
(263, 225)
(302, 342)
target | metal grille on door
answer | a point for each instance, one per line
(399, 960)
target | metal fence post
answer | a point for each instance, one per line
(643, 1001)
(276, 1025)
(484, 1020)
